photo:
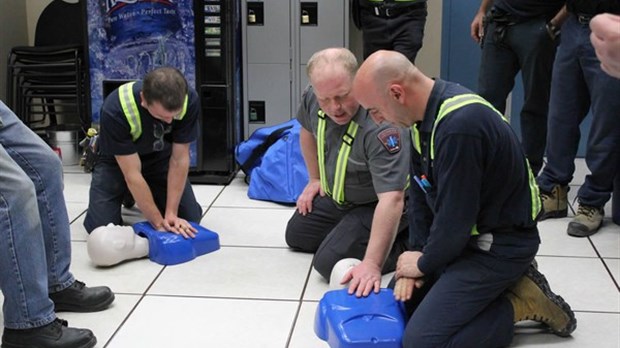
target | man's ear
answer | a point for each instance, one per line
(143, 102)
(396, 92)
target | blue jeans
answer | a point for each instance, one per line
(35, 242)
(108, 188)
(579, 85)
(528, 47)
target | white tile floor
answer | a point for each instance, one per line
(254, 292)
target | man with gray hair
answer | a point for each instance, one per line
(353, 204)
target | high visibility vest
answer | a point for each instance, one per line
(448, 106)
(130, 109)
(337, 193)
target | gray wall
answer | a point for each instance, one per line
(13, 32)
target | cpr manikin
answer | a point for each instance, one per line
(112, 244)
(341, 268)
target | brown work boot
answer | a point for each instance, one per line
(532, 299)
(554, 203)
(587, 221)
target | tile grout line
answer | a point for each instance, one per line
(604, 264)
(301, 301)
(142, 296)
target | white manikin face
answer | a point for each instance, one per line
(112, 244)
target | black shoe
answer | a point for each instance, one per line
(80, 298)
(53, 335)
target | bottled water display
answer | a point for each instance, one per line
(128, 38)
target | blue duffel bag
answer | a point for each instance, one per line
(273, 164)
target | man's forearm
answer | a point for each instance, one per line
(144, 199)
(177, 176)
(384, 228)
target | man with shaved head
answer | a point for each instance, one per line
(473, 234)
(353, 204)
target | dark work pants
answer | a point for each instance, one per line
(579, 84)
(527, 47)
(403, 33)
(333, 234)
(108, 188)
(463, 305)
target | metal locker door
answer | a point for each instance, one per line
(269, 36)
(269, 95)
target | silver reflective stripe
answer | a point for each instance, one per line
(130, 109)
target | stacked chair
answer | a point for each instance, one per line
(49, 81)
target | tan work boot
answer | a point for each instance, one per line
(587, 221)
(532, 299)
(554, 204)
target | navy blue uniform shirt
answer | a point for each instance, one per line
(157, 136)
(593, 7)
(479, 176)
(530, 8)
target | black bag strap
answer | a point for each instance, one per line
(260, 150)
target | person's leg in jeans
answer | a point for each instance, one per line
(498, 67)
(107, 189)
(44, 169)
(28, 311)
(569, 102)
(536, 51)
(23, 274)
(602, 156)
(408, 33)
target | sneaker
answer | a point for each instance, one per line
(555, 203)
(53, 335)
(587, 221)
(532, 299)
(80, 298)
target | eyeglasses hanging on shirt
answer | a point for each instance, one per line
(159, 130)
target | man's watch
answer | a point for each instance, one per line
(552, 30)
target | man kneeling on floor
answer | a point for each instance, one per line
(473, 213)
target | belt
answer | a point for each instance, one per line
(583, 18)
(394, 11)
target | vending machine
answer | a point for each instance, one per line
(201, 38)
(219, 83)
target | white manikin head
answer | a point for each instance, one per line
(111, 244)
(340, 269)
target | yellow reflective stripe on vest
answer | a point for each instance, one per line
(455, 103)
(534, 193)
(184, 111)
(415, 138)
(321, 152)
(337, 193)
(130, 108)
(343, 160)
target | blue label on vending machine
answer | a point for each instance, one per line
(131, 20)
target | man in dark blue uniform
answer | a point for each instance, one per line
(145, 131)
(580, 85)
(473, 221)
(519, 35)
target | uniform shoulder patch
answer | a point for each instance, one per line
(390, 138)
